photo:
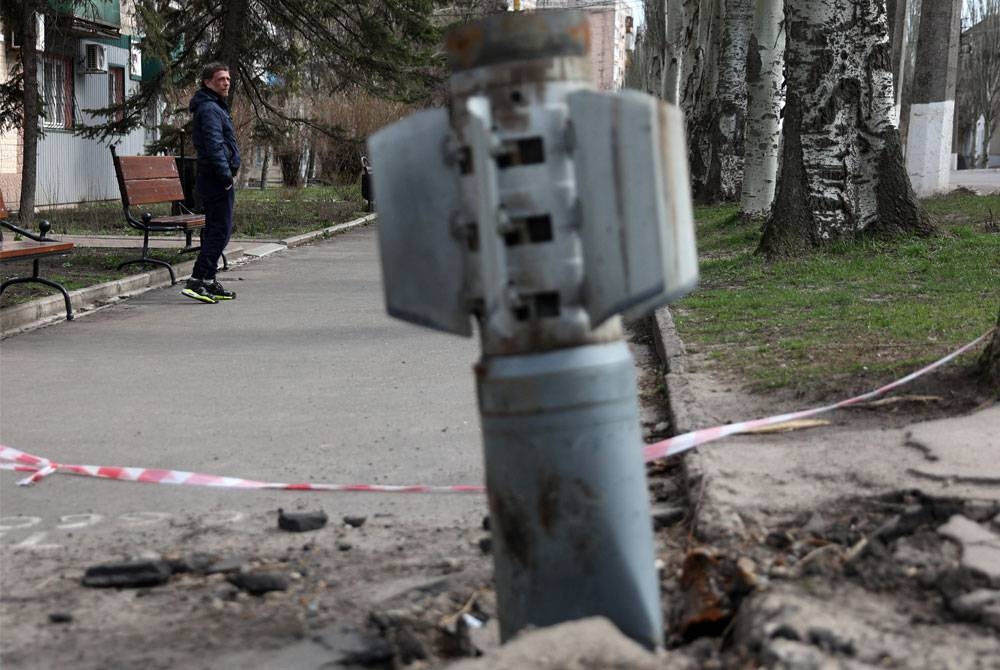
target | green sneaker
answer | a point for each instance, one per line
(197, 290)
(218, 291)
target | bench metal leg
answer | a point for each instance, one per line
(35, 279)
(145, 259)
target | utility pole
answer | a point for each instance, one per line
(545, 209)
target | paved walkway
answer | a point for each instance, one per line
(302, 378)
(983, 182)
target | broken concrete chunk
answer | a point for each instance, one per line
(229, 564)
(980, 546)
(982, 605)
(132, 574)
(355, 520)
(301, 522)
(260, 583)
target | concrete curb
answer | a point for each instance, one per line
(713, 522)
(326, 232)
(51, 309)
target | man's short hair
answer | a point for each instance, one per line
(208, 72)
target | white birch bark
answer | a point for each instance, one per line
(673, 52)
(765, 98)
(842, 173)
(716, 101)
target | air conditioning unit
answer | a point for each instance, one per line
(95, 58)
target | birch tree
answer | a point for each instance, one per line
(765, 98)
(842, 174)
(717, 116)
(673, 51)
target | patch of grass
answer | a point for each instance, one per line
(270, 214)
(83, 267)
(849, 315)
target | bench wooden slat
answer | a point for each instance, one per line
(148, 167)
(185, 220)
(28, 249)
(147, 191)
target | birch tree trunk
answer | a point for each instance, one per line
(765, 99)
(673, 52)
(716, 129)
(842, 174)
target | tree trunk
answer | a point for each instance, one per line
(32, 114)
(291, 166)
(673, 52)
(765, 99)
(842, 174)
(989, 362)
(716, 129)
(264, 167)
(233, 32)
(932, 105)
(896, 15)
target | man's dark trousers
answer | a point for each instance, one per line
(218, 203)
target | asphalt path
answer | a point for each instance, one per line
(302, 378)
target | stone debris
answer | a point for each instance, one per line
(60, 617)
(576, 645)
(980, 546)
(257, 584)
(131, 574)
(982, 606)
(666, 515)
(225, 565)
(301, 522)
(355, 520)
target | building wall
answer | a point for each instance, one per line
(10, 149)
(73, 169)
(609, 40)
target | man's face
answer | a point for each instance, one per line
(219, 83)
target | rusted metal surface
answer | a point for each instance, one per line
(511, 36)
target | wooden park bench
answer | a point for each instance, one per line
(34, 247)
(148, 180)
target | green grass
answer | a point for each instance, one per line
(849, 314)
(79, 269)
(269, 214)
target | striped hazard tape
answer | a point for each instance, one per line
(40, 467)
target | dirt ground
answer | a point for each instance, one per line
(859, 577)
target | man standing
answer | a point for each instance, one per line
(214, 139)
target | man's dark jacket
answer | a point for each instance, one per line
(214, 136)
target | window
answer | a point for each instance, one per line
(116, 90)
(56, 84)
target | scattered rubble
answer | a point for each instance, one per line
(301, 522)
(132, 574)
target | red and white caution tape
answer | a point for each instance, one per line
(15, 459)
(681, 443)
(20, 461)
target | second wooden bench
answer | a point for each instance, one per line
(147, 180)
